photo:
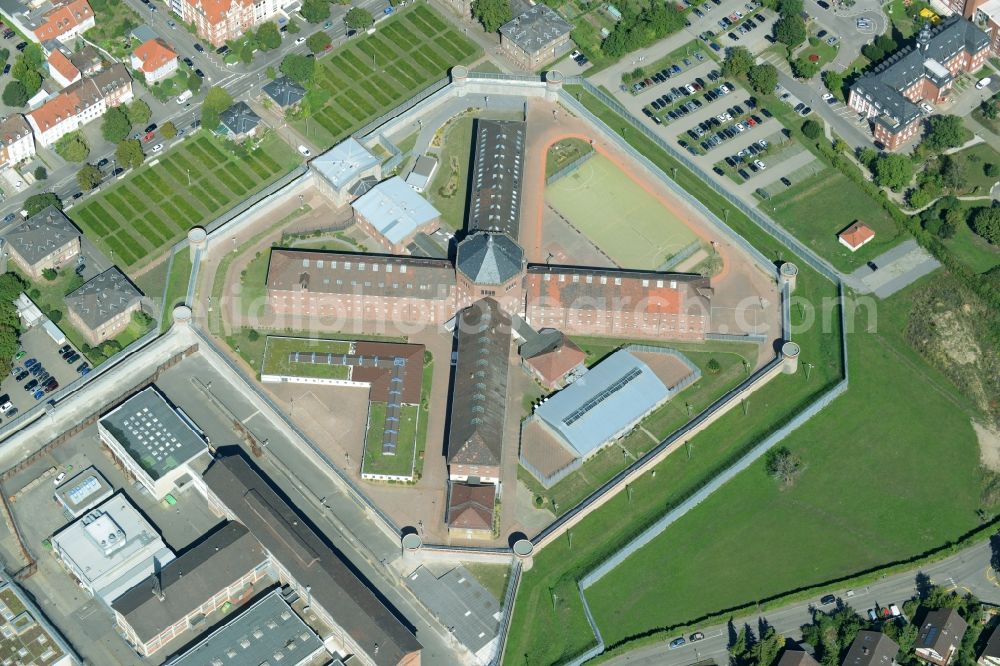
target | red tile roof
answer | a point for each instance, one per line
(214, 10)
(471, 507)
(61, 64)
(857, 235)
(553, 364)
(154, 54)
(63, 18)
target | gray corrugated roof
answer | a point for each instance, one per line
(495, 194)
(239, 118)
(42, 234)
(295, 543)
(257, 635)
(191, 580)
(535, 28)
(285, 92)
(608, 398)
(478, 406)
(487, 258)
(103, 297)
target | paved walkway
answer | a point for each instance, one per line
(898, 268)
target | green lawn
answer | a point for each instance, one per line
(177, 285)
(819, 207)
(974, 160)
(400, 464)
(565, 152)
(136, 219)
(448, 190)
(277, 350)
(862, 501)
(973, 250)
(491, 576)
(372, 74)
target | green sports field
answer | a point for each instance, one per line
(620, 217)
(137, 219)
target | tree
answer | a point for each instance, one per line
(315, 11)
(763, 78)
(268, 36)
(14, 94)
(782, 465)
(293, 28)
(893, 171)
(115, 125)
(804, 68)
(32, 81)
(246, 52)
(194, 83)
(359, 19)
(989, 109)
(72, 147)
(216, 101)
(811, 129)
(790, 30)
(317, 42)
(139, 112)
(713, 366)
(834, 82)
(89, 177)
(991, 170)
(49, 274)
(952, 172)
(945, 131)
(986, 223)
(492, 13)
(41, 173)
(831, 635)
(36, 203)
(129, 154)
(298, 68)
(738, 62)
(168, 130)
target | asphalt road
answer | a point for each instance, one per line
(967, 571)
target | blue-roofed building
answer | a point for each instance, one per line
(605, 403)
(392, 213)
(343, 168)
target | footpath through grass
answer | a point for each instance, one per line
(372, 74)
(135, 220)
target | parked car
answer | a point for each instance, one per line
(82, 366)
(73, 358)
(696, 636)
(31, 386)
(21, 376)
(60, 477)
(39, 394)
(51, 386)
(982, 83)
(9, 217)
(677, 642)
(158, 147)
(199, 48)
(222, 50)
(200, 74)
(30, 362)
(305, 151)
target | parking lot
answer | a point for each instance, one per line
(37, 345)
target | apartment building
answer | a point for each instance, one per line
(80, 103)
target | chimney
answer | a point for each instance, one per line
(924, 38)
(157, 588)
(864, 649)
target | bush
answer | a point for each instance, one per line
(253, 335)
(55, 316)
(986, 223)
(991, 170)
(41, 173)
(713, 366)
(49, 274)
(811, 129)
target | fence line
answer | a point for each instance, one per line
(688, 250)
(569, 168)
(402, 108)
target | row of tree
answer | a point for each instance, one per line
(639, 28)
(26, 74)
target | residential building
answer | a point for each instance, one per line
(536, 37)
(285, 93)
(855, 236)
(222, 570)
(17, 143)
(422, 172)
(990, 656)
(871, 648)
(45, 240)
(111, 548)
(550, 356)
(80, 103)
(392, 213)
(479, 398)
(81, 493)
(154, 442)
(219, 21)
(64, 20)
(497, 169)
(346, 171)
(61, 69)
(796, 657)
(102, 307)
(940, 636)
(890, 94)
(155, 60)
(268, 631)
(26, 635)
(239, 122)
(87, 60)
(360, 622)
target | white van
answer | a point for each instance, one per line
(184, 96)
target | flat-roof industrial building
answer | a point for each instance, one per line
(111, 549)
(342, 167)
(392, 212)
(153, 442)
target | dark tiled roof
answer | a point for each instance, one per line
(941, 629)
(190, 580)
(488, 258)
(992, 648)
(495, 194)
(885, 84)
(111, 79)
(285, 92)
(478, 406)
(42, 234)
(470, 507)
(796, 658)
(871, 648)
(361, 274)
(295, 543)
(535, 28)
(13, 128)
(103, 297)
(239, 118)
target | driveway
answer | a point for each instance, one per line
(842, 22)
